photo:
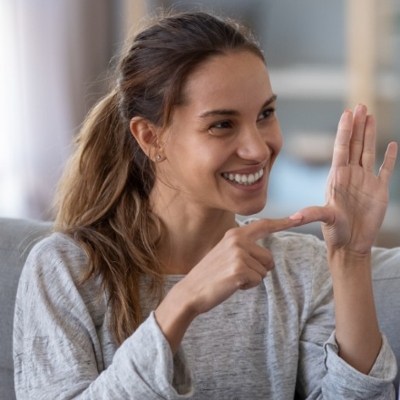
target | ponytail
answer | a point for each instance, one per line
(103, 204)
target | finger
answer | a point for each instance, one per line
(260, 254)
(251, 278)
(262, 227)
(342, 142)
(386, 170)
(258, 267)
(369, 150)
(358, 135)
(316, 214)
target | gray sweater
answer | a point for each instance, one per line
(264, 343)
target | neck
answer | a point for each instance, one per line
(191, 232)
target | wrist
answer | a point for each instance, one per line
(343, 259)
(174, 316)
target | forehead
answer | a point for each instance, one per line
(230, 80)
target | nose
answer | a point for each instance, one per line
(257, 145)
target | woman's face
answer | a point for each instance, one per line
(224, 138)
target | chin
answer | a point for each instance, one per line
(250, 209)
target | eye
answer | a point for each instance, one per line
(222, 125)
(220, 128)
(268, 113)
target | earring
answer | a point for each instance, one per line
(158, 158)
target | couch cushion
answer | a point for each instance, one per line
(16, 239)
(386, 282)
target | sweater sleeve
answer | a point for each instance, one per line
(57, 353)
(322, 374)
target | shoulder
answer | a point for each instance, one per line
(51, 285)
(55, 267)
(56, 253)
(56, 245)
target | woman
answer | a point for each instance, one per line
(150, 288)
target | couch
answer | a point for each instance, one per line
(17, 237)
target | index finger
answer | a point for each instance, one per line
(260, 228)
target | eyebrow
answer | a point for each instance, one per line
(226, 112)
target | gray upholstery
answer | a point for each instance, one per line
(18, 236)
(386, 281)
(16, 239)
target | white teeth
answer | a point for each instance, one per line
(243, 179)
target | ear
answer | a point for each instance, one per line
(147, 135)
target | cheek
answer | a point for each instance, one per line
(279, 144)
(191, 163)
(277, 141)
(203, 165)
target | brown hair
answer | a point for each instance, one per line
(103, 197)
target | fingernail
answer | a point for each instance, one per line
(361, 108)
(296, 217)
(346, 116)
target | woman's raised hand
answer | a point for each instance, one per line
(356, 198)
(356, 202)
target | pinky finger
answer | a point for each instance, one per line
(387, 167)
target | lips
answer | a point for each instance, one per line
(244, 179)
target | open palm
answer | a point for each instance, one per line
(356, 199)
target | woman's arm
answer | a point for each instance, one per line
(356, 202)
(63, 347)
(236, 262)
(322, 372)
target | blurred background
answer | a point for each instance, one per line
(322, 57)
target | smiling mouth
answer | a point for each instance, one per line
(244, 179)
